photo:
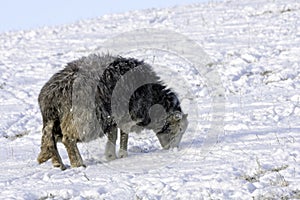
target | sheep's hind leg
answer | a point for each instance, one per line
(49, 148)
(73, 152)
(56, 159)
(110, 148)
(123, 145)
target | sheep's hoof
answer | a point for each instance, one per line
(123, 153)
(110, 157)
(81, 165)
(63, 167)
(77, 164)
(59, 165)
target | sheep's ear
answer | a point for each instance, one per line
(185, 116)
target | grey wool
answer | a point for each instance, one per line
(95, 95)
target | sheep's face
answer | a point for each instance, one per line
(175, 125)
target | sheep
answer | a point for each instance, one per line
(93, 96)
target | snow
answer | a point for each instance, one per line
(254, 48)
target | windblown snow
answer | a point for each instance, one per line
(254, 46)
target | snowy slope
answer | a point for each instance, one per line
(254, 46)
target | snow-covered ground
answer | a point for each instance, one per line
(254, 46)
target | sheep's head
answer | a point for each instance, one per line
(175, 125)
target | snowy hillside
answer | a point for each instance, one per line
(254, 48)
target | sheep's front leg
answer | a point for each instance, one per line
(123, 145)
(110, 149)
(73, 152)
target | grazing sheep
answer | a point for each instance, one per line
(98, 94)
